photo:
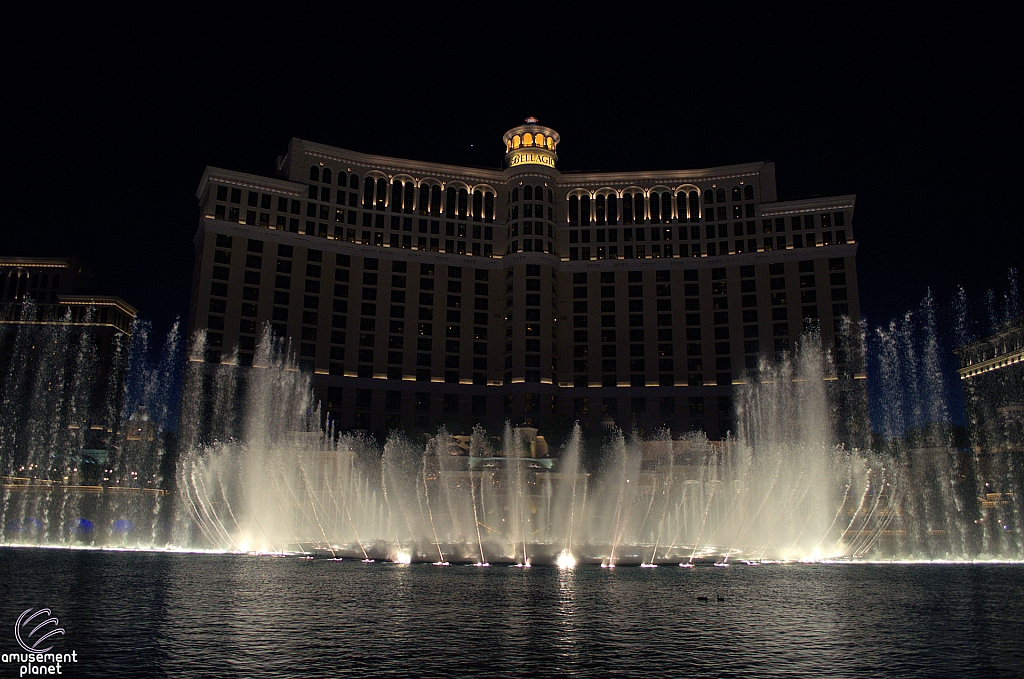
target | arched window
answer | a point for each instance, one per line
(709, 196)
(748, 192)
(488, 207)
(599, 211)
(515, 141)
(720, 195)
(478, 205)
(551, 197)
(539, 139)
(694, 206)
(463, 203)
(666, 206)
(584, 210)
(527, 192)
(449, 202)
(326, 178)
(613, 209)
(638, 207)
(314, 173)
(382, 193)
(655, 209)
(396, 196)
(435, 200)
(515, 194)
(681, 205)
(342, 179)
(410, 192)
(424, 206)
(368, 187)
(527, 139)
(627, 208)
(538, 193)
(574, 211)
(551, 143)
(353, 181)
(736, 194)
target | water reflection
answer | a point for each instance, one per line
(136, 614)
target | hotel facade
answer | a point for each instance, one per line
(418, 293)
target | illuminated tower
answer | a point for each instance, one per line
(531, 263)
(531, 144)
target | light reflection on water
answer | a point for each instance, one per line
(180, 615)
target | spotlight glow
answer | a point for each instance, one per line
(566, 559)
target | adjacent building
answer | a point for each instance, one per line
(57, 288)
(418, 293)
(992, 374)
(63, 356)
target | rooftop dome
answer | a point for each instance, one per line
(531, 144)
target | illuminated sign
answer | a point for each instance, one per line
(531, 158)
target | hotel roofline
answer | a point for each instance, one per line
(391, 166)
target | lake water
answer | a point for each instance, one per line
(133, 614)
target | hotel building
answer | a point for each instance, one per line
(418, 293)
(992, 375)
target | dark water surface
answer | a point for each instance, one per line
(180, 615)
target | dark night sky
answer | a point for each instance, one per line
(112, 117)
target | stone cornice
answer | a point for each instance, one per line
(669, 178)
(96, 301)
(392, 166)
(252, 181)
(790, 207)
(768, 257)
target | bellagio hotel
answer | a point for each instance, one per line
(417, 293)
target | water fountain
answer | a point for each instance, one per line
(259, 470)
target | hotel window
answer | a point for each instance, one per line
(478, 205)
(489, 207)
(599, 213)
(627, 208)
(463, 203)
(694, 206)
(655, 209)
